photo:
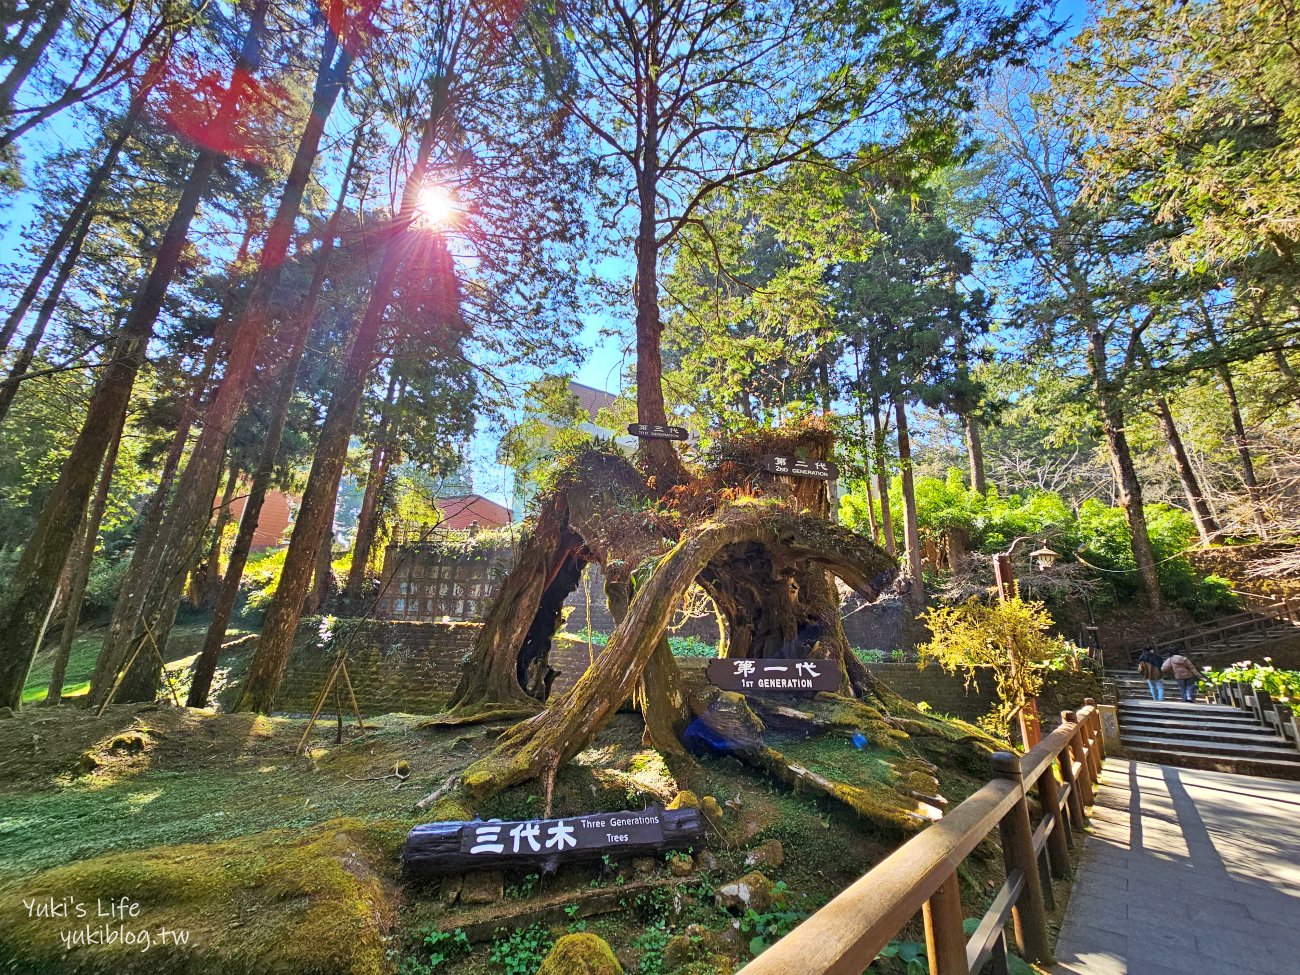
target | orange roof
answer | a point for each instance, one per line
(461, 511)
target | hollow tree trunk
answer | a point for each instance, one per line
(163, 576)
(44, 556)
(1206, 527)
(79, 566)
(911, 529)
(77, 222)
(276, 641)
(1127, 484)
(368, 518)
(205, 665)
(489, 679)
(569, 724)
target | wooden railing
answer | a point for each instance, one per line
(1277, 716)
(1280, 609)
(846, 935)
(1189, 638)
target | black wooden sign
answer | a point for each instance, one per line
(821, 470)
(775, 676)
(657, 431)
(432, 849)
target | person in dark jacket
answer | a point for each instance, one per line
(1149, 664)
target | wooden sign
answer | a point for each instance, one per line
(433, 849)
(775, 676)
(657, 431)
(821, 470)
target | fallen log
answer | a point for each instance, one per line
(437, 849)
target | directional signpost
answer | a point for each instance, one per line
(774, 676)
(821, 470)
(657, 431)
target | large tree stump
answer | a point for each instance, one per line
(565, 728)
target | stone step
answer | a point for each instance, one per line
(1278, 752)
(1242, 719)
(1179, 709)
(1243, 736)
(1215, 763)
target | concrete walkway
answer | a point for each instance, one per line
(1186, 873)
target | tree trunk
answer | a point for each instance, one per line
(44, 557)
(206, 576)
(77, 222)
(26, 58)
(323, 575)
(276, 641)
(184, 523)
(664, 707)
(1242, 442)
(975, 454)
(79, 566)
(1205, 524)
(911, 529)
(23, 361)
(368, 519)
(882, 479)
(205, 666)
(1127, 484)
(661, 460)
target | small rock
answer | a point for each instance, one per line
(707, 861)
(451, 887)
(766, 856)
(486, 887)
(402, 769)
(679, 950)
(643, 866)
(88, 762)
(581, 954)
(6, 713)
(753, 890)
(682, 866)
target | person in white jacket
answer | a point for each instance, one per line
(1185, 673)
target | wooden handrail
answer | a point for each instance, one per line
(846, 935)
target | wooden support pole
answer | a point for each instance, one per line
(945, 938)
(1058, 841)
(1092, 738)
(1073, 802)
(1029, 913)
(1031, 732)
(1081, 782)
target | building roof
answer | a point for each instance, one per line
(592, 400)
(463, 510)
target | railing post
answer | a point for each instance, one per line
(945, 937)
(1096, 750)
(1058, 840)
(1029, 914)
(1082, 782)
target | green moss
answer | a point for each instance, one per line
(262, 905)
(581, 954)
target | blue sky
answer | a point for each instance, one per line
(606, 357)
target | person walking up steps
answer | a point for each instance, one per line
(1185, 673)
(1149, 664)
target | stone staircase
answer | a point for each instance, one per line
(1214, 737)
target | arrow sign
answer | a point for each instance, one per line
(821, 470)
(657, 431)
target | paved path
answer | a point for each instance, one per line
(1186, 873)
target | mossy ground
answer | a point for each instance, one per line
(182, 647)
(280, 863)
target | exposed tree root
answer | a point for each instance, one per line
(481, 714)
